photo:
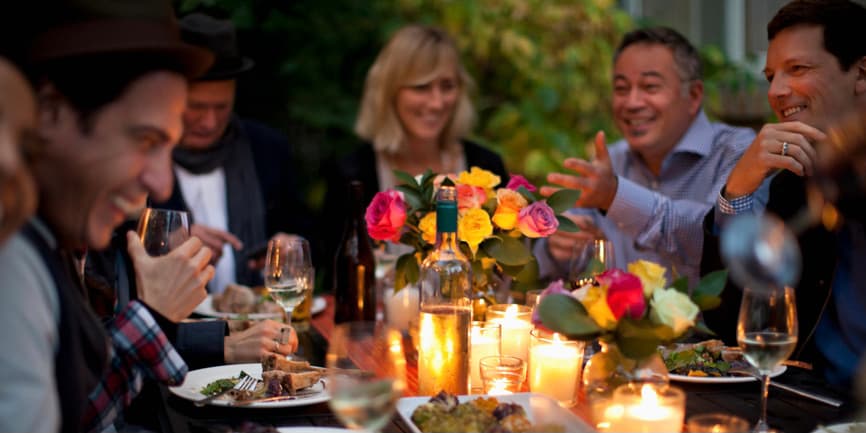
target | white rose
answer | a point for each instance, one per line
(674, 309)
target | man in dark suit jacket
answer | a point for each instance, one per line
(816, 66)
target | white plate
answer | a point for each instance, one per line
(206, 309)
(198, 379)
(733, 379)
(848, 427)
(313, 430)
(539, 409)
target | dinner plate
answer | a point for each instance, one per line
(539, 409)
(206, 309)
(198, 379)
(848, 427)
(732, 379)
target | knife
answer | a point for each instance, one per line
(298, 396)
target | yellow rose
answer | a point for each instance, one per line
(652, 276)
(473, 227)
(479, 177)
(427, 225)
(595, 302)
(508, 206)
(674, 309)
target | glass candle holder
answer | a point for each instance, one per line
(516, 322)
(646, 408)
(717, 423)
(485, 340)
(502, 374)
(554, 366)
(533, 297)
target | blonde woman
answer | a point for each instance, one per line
(414, 115)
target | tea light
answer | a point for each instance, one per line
(502, 374)
(484, 341)
(401, 307)
(646, 409)
(554, 366)
(516, 322)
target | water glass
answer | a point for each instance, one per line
(588, 260)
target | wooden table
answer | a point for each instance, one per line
(788, 412)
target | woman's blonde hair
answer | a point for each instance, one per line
(412, 56)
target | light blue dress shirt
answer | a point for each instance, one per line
(660, 218)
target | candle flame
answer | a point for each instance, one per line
(648, 395)
(556, 338)
(511, 311)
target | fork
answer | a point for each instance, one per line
(247, 383)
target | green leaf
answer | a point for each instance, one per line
(639, 339)
(712, 283)
(530, 197)
(406, 271)
(411, 196)
(706, 302)
(507, 250)
(406, 178)
(681, 285)
(703, 329)
(566, 315)
(567, 225)
(529, 273)
(563, 200)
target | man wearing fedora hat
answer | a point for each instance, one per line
(111, 82)
(235, 176)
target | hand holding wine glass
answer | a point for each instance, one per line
(767, 333)
(366, 373)
(289, 272)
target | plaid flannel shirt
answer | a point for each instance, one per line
(139, 349)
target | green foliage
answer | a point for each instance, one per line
(566, 315)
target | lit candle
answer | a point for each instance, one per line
(401, 307)
(499, 387)
(516, 322)
(654, 409)
(554, 367)
(485, 341)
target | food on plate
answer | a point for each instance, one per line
(444, 413)
(240, 299)
(280, 377)
(709, 358)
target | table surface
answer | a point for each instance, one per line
(787, 412)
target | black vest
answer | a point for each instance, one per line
(82, 355)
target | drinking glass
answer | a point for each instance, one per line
(588, 260)
(767, 333)
(289, 272)
(162, 230)
(366, 373)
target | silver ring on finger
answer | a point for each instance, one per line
(784, 148)
(276, 346)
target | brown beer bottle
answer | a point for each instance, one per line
(354, 265)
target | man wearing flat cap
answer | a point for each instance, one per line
(111, 83)
(234, 176)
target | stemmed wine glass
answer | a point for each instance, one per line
(366, 373)
(588, 260)
(767, 333)
(289, 272)
(162, 230)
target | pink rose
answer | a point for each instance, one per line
(537, 220)
(386, 215)
(470, 197)
(517, 181)
(624, 293)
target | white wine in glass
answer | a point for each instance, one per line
(289, 273)
(366, 373)
(767, 333)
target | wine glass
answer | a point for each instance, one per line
(366, 373)
(162, 230)
(288, 272)
(589, 259)
(767, 333)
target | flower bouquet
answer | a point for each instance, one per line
(636, 309)
(493, 224)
